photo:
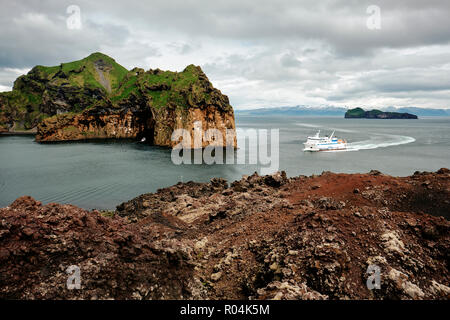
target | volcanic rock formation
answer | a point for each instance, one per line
(97, 98)
(262, 237)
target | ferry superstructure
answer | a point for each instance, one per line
(330, 143)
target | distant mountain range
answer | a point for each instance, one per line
(302, 110)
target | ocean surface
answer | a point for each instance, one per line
(103, 174)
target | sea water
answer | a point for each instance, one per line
(103, 174)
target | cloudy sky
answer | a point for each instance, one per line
(260, 53)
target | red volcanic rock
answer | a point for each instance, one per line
(116, 259)
(268, 237)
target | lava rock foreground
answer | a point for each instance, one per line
(262, 237)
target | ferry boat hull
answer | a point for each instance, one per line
(317, 143)
(329, 148)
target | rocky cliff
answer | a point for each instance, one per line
(262, 237)
(97, 98)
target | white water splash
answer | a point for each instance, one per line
(380, 141)
(377, 140)
(308, 125)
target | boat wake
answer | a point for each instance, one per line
(377, 140)
(380, 141)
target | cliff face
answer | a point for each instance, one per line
(137, 124)
(377, 114)
(262, 237)
(48, 91)
(97, 98)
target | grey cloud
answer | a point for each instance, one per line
(264, 52)
(290, 60)
(182, 47)
(36, 33)
(340, 23)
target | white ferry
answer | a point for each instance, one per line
(318, 143)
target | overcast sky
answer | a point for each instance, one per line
(260, 53)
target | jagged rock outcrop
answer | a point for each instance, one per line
(97, 98)
(116, 259)
(262, 237)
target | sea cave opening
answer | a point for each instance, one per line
(146, 124)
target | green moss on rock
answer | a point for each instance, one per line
(98, 84)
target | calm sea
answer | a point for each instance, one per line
(102, 174)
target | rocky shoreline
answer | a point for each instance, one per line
(17, 133)
(262, 237)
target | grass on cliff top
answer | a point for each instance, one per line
(128, 87)
(46, 72)
(89, 75)
(356, 112)
(359, 112)
(24, 101)
(83, 73)
(176, 82)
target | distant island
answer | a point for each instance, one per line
(377, 114)
(333, 111)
